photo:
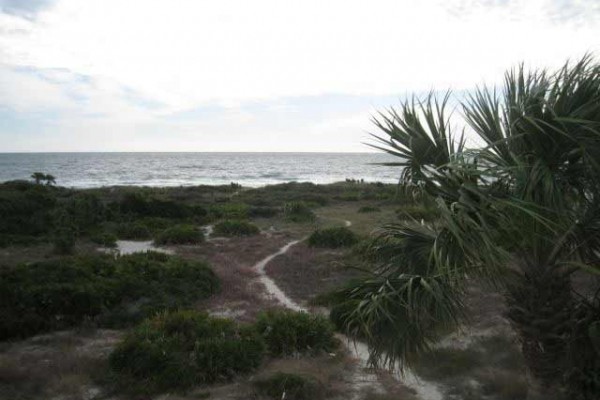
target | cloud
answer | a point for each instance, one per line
(24, 8)
(222, 74)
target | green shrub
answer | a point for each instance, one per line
(64, 241)
(289, 386)
(230, 211)
(19, 240)
(297, 211)
(54, 294)
(133, 231)
(152, 281)
(180, 349)
(417, 212)
(60, 293)
(291, 332)
(26, 208)
(180, 234)
(332, 238)
(105, 239)
(369, 209)
(136, 204)
(235, 228)
(263, 212)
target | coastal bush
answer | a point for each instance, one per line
(64, 241)
(262, 212)
(290, 332)
(417, 212)
(297, 211)
(153, 281)
(19, 240)
(176, 350)
(60, 293)
(54, 294)
(136, 204)
(289, 386)
(235, 211)
(369, 209)
(26, 208)
(104, 239)
(235, 228)
(85, 211)
(332, 238)
(180, 234)
(133, 231)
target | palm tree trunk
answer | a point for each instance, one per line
(540, 307)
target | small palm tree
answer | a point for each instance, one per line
(522, 211)
(50, 179)
(38, 177)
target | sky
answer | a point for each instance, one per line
(260, 75)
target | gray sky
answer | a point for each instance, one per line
(224, 75)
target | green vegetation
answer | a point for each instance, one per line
(57, 294)
(105, 239)
(332, 238)
(289, 386)
(180, 349)
(133, 231)
(369, 209)
(289, 332)
(180, 234)
(233, 211)
(298, 211)
(38, 177)
(235, 228)
(418, 212)
(522, 211)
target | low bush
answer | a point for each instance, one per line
(235, 228)
(333, 238)
(19, 240)
(289, 386)
(290, 332)
(263, 212)
(105, 239)
(64, 242)
(180, 234)
(230, 211)
(133, 231)
(60, 293)
(138, 205)
(369, 209)
(180, 349)
(417, 212)
(297, 211)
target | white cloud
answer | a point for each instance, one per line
(106, 59)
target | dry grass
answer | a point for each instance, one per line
(68, 364)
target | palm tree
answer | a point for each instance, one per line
(521, 211)
(50, 179)
(38, 177)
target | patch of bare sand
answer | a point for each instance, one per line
(241, 296)
(59, 365)
(304, 272)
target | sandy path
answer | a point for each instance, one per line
(425, 390)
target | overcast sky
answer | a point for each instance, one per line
(224, 75)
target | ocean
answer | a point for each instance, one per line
(86, 170)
